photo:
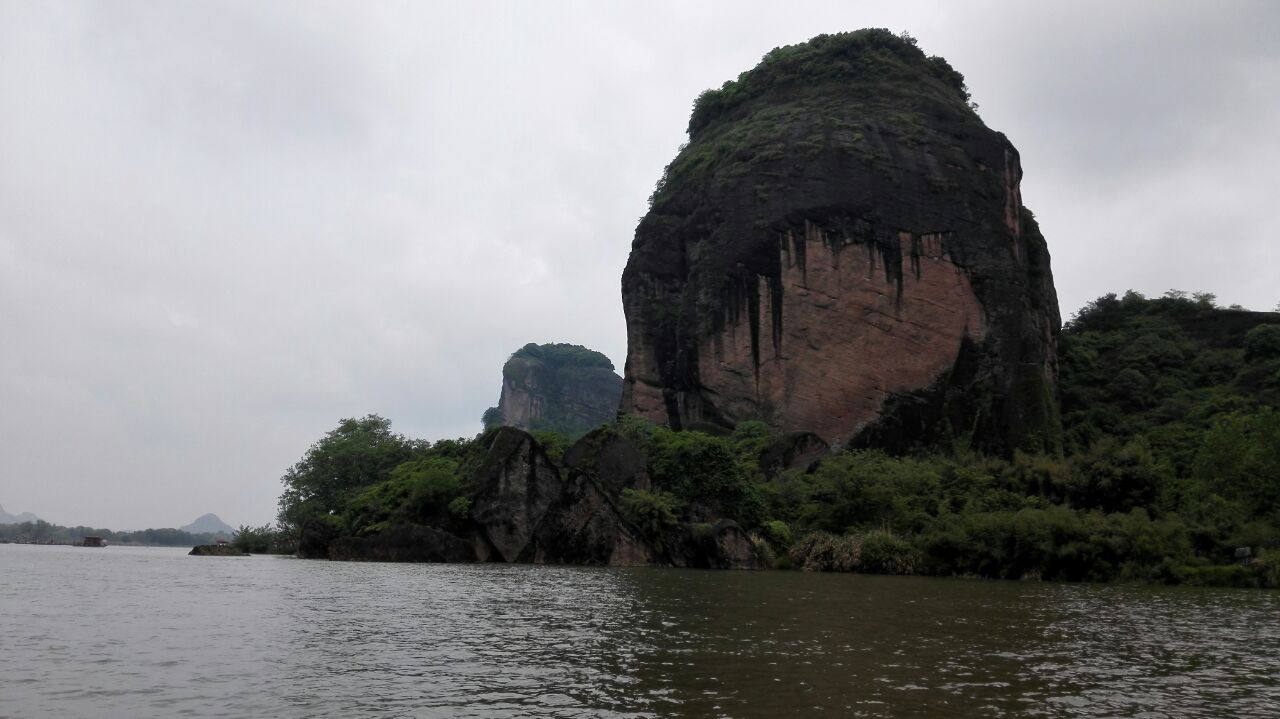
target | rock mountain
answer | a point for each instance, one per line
(6, 518)
(557, 387)
(842, 248)
(208, 524)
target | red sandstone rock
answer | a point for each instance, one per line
(843, 250)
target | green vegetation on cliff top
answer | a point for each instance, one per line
(870, 55)
(560, 354)
(831, 91)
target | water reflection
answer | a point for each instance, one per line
(152, 633)
(840, 645)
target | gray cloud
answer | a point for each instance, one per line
(223, 226)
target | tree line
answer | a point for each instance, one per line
(42, 532)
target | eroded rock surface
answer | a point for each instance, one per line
(525, 508)
(512, 493)
(793, 450)
(557, 387)
(841, 248)
(610, 460)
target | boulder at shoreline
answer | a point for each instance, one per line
(216, 550)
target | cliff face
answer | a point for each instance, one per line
(558, 387)
(841, 248)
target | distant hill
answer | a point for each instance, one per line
(208, 523)
(6, 518)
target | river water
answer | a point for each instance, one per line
(138, 632)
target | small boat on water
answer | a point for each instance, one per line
(94, 542)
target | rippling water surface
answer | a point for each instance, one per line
(133, 632)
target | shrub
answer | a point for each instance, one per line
(1262, 342)
(704, 473)
(650, 512)
(826, 552)
(460, 508)
(416, 491)
(254, 540)
(777, 533)
(883, 553)
(874, 552)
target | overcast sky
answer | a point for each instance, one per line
(226, 225)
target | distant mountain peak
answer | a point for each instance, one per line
(208, 524)
(19, 518)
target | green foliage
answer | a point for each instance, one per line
(638, 430)
(1239, 459)
(357, 454)
(875, 552)
(885, 553)
(750, 440)
(254, 540)
(491, 418)
(650, 512)
(826, 552)
(1262, 342)
(777, 533)
(416, 492)
(554, 443)
(1263, 571)
(731, 133)
(712, 477)
(859, 490)
(863, 55)
(1116, 477)
(460, 508)
(1161, 369)
(560, 354)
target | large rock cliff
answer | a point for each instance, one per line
(841, 248)
(556, 387)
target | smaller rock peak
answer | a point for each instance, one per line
(557, 387)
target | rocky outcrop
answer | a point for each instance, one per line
(525, 508)
(316, 537)
(404, 543)
(793, 450)
(610, 460)
(525, 512)
(557, 387)
(216, 550)
(722, 545)
(842, 249)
